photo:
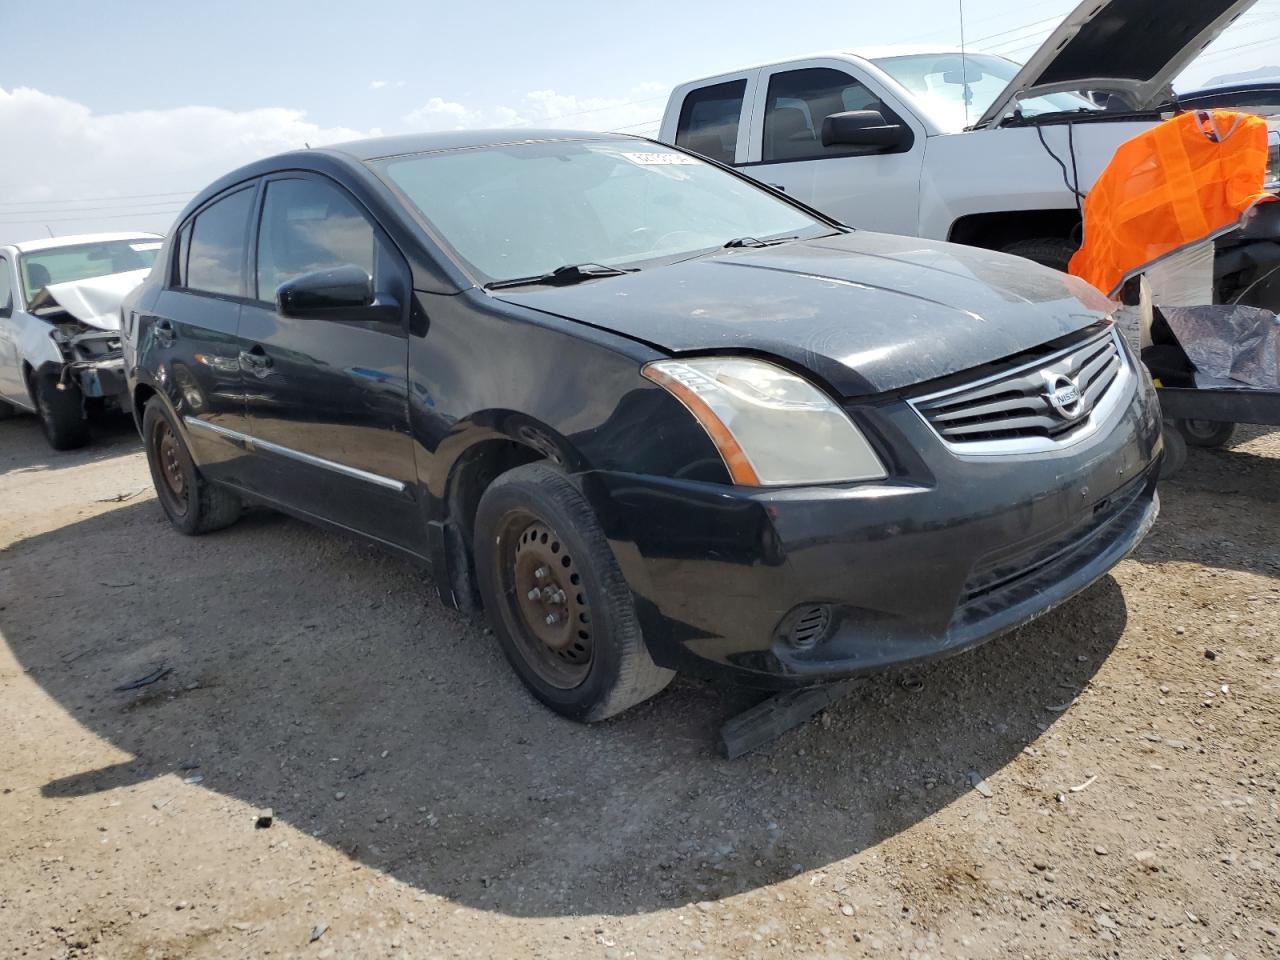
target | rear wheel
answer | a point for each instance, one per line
(556, 598)
(1046, 251)
(192, 503)
(61, 410)
(1207, 433)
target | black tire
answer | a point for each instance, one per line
(61, 413)
(535, 515)
(1046, 251)
(192, 504)
(1206, 433)
(1175, 451)
(7, 410)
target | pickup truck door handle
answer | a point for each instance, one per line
(256, 361)
(779, 187)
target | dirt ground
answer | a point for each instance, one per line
(1124, 750)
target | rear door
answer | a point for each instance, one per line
(328, 400)
(866, 187)
(191, 333)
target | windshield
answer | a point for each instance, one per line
(938, 81)
(84, 261)
(526, 209)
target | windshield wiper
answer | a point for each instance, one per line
(753, 242)
(561, 276)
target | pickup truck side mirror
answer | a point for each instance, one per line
(341, 293)
(864, 128)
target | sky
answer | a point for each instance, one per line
(113, 114)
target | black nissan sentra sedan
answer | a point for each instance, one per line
(649, 414)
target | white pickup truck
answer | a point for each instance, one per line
(952, 146)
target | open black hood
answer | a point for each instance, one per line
(1131, 47)
(865, 312)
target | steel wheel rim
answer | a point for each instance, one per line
(1201, 429)
(168, 458)
(547, 602)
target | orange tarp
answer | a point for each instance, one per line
(1182, 182)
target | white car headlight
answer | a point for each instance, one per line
(771, 427)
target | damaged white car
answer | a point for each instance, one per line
(60, 327)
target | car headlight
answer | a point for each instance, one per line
(771, 427)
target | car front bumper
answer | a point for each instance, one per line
(949, 553)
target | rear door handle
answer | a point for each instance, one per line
(256, 361)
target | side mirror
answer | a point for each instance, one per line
(341, 293)
(863, 128)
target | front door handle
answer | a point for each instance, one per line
(256, 361)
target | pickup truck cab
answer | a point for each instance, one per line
(949, 145)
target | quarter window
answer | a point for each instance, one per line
(215, 263)
(709, 120)
(309, 225)
(799, 100)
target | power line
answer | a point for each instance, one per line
(136, 196)
(116, 216)
(113, 206)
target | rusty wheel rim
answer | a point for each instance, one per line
(168, 456)
(549, 603)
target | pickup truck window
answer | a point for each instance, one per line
(6, 289)
(799, 100)
(709, 120)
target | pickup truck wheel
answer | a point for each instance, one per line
(7, 410)
(1048, 252)
(556, 597)
(192, 503)
(1206, 433)
(61, 413)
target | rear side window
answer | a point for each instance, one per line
(709, 120)
(309, 225)
(6, 289)
(799, 100)
(215, 259)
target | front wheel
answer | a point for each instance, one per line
(1052, 252)
(1207, 433)
(556, 597)
(61, 410)
(192, 503)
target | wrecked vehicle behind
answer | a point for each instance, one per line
(60, 327)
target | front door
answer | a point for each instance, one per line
(327, 400)
(11, 385)
(864, 187)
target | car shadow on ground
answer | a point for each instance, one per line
(319, 677)
(1221, 510)
(23, 447)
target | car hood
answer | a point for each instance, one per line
(95, 301)
(865, 312)
(1132, 47)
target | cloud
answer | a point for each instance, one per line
(377, 84)
(638, 111)
(69, 153)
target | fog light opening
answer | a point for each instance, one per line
(809, 626)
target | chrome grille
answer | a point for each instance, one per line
(1050, 402)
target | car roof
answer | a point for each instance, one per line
(52, 243)
(378, 147)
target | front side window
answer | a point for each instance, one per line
(215, 260)
(709, 121)
(6, 289)
(798, 102)
(519, 210)
(84, 261)
(309, 225)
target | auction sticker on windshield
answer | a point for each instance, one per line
(660, 159)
